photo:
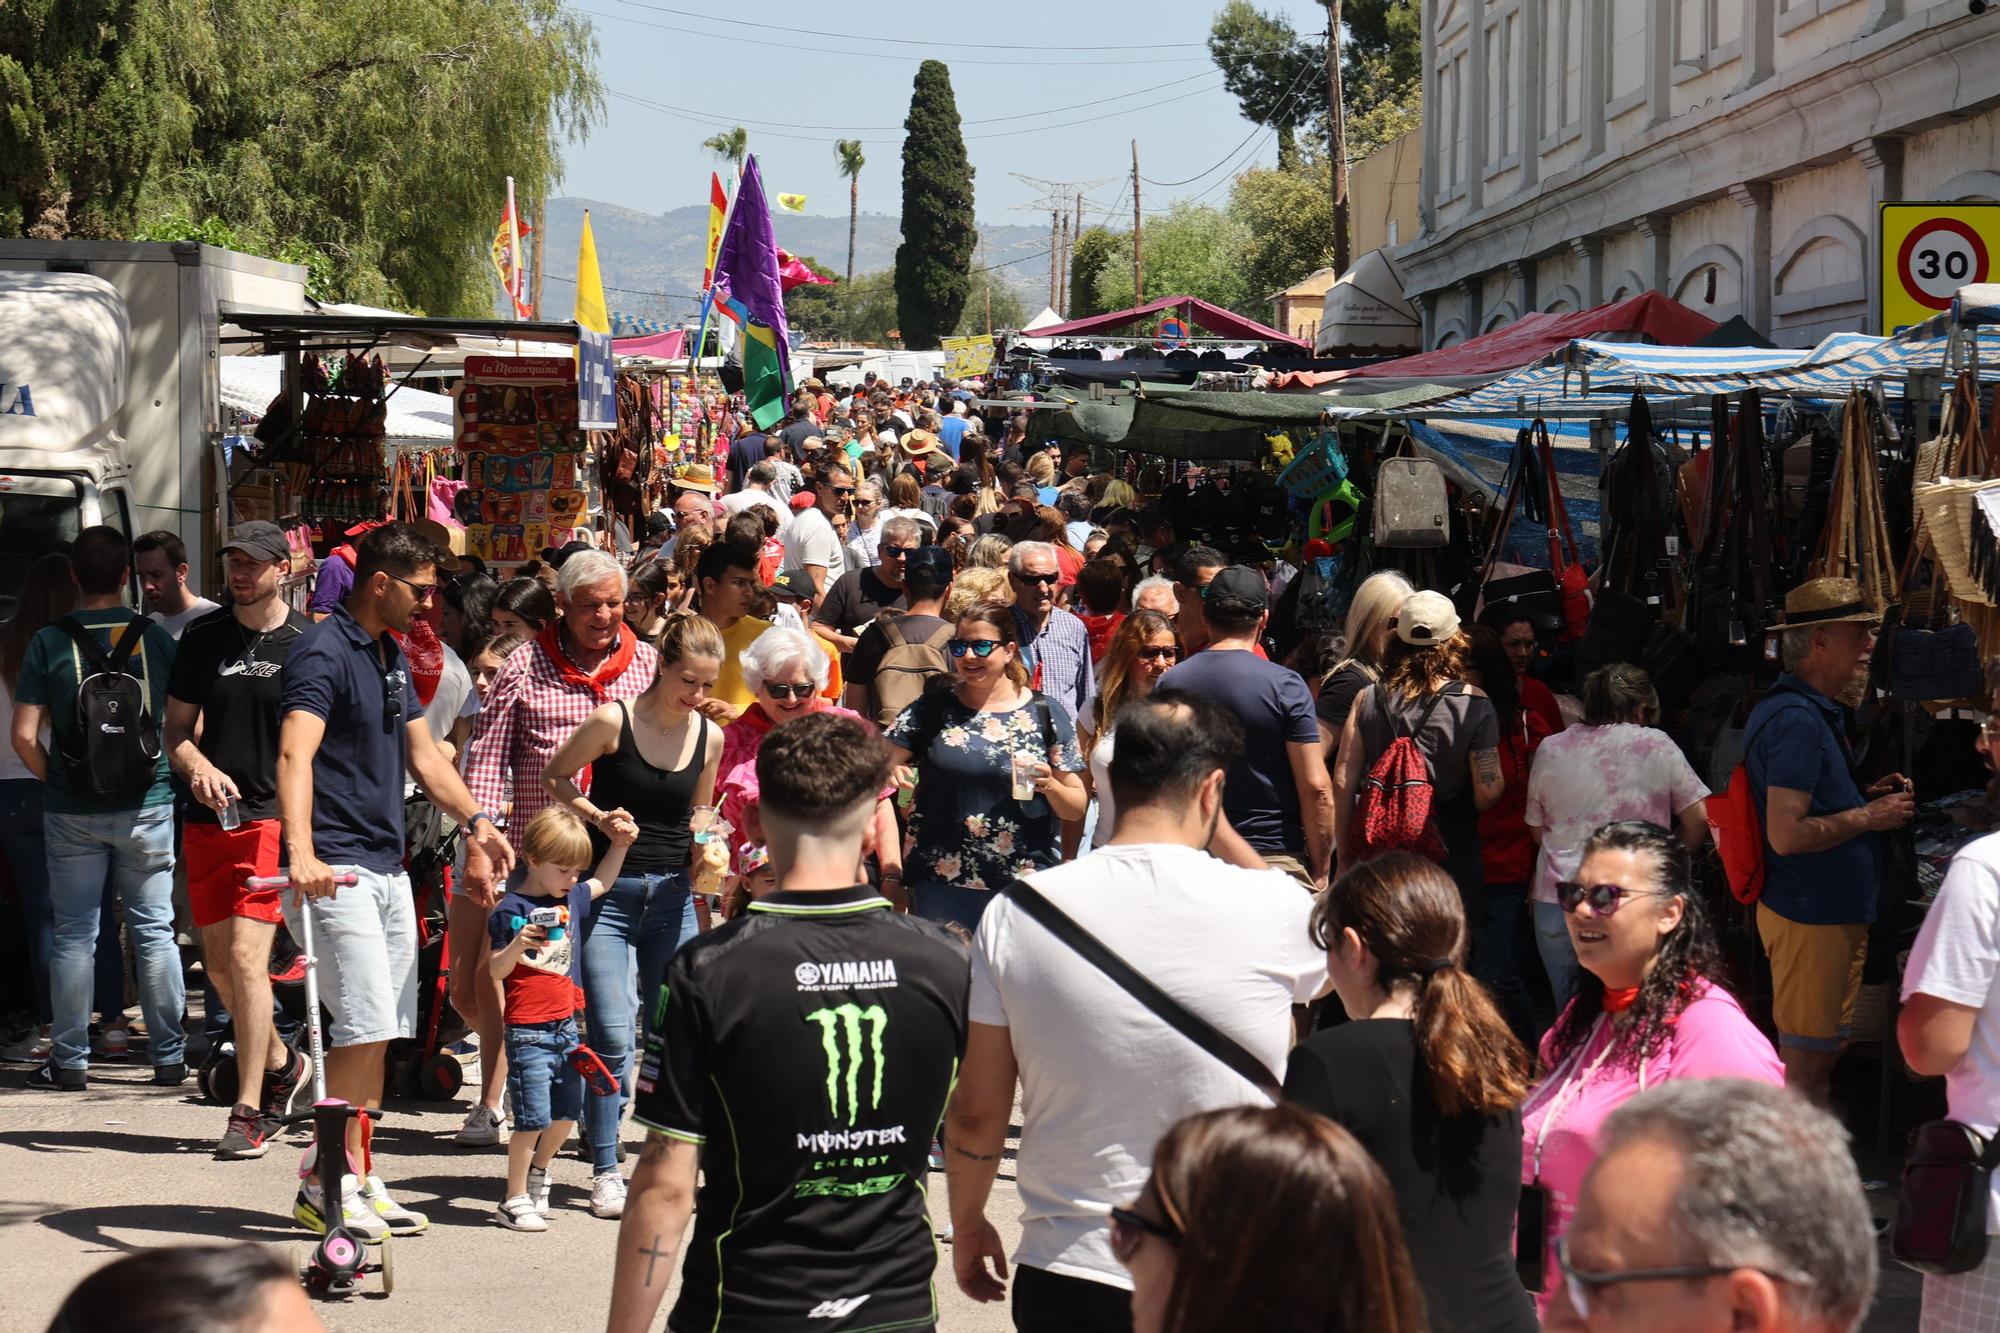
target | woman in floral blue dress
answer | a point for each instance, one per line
(970, 835)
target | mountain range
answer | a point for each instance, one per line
(652, 262)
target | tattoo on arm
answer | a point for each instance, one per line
(1486, 763)
(975, 1156)
(653, 1254)
(655, 1150)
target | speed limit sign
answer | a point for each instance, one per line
(1929, 251)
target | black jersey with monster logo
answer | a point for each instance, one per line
(809, 1047)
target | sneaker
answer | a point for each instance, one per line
(355, 1214)
(538, 1189)
(48, 1078)
(170, 1076)
(481, 1128)
(518, 1214)
(32, 1049)
(282, 1087)
(247, 1137)
(114, 1042)
(607, 1195)
(402, 1221)
(291, 973)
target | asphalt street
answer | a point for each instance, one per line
(125, 1166)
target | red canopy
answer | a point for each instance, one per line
(1656, 318)
(666, 346)
(1220, 322)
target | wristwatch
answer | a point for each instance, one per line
(478, 815)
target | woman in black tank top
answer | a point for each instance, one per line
(651, 761)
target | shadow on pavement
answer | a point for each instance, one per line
(87, 1140)
(94, 1225)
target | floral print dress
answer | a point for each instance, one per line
(967, 829)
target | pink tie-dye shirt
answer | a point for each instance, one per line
(1589, 776)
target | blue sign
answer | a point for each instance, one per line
(596, 381)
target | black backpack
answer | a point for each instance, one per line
(113, 746)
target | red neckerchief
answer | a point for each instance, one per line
(1618, 1001)
(755, 720)
(611, 668)
(425, 652)
(1100, 629)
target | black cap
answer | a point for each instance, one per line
(1238, 583)
(928, 563)
(794, 583)
(264, 541)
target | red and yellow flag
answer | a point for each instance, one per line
(718, 209)
(508, 260)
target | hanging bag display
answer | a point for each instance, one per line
(1532, 591)
(1412, 510)
(1571, 581)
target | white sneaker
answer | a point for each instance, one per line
(518, 1214)
(607, 1195)
(114, 1042)
(402, 1221)
(32, 1049)
(481, 1128)
(538, 1189)
(355, 1214)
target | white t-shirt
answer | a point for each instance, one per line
(11, 767)
(1101, 1077)
(1957, 958)
(1589, 776)
(737, 501)
(811, 540)
(1100, 774)
(174, 624)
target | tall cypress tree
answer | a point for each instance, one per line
(934, 262)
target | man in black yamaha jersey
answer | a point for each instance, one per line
(801, 1056)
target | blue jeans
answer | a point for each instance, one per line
(545, 1086)
(135, 848)
(650, 916)
(949, 902)
(1496, 959)
(1558, 953)
(21, 843)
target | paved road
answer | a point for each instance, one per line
(125, 1166)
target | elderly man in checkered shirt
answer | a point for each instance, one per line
(544, 690)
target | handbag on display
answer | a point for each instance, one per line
(1571, 581)
(1619, 625)
(1533, 590)
(1412, 509)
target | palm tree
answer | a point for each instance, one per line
(851, 162)
(732, 144)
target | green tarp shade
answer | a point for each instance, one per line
(1187, 423)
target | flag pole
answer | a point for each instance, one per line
(708, 295)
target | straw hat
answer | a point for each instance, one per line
(697, 477)
(919, 442)
(1819, 602)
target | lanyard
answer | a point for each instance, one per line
(1570, 1086)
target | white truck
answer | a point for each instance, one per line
(110, 408)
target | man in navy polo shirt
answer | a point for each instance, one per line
(351, 719)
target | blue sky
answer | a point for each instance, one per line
(1143, 67)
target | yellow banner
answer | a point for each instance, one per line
(966, 357)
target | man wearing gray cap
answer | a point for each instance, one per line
(224, 689)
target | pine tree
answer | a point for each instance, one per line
(934, 262)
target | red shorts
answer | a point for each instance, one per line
(219, 860)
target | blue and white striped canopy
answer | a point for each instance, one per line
(1977, 305)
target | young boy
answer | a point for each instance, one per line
(535, 964)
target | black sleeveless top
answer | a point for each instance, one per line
(660, 799)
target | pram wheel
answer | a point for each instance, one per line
(439, 1078)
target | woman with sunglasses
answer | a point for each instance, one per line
(1141, 650)
(1429, 1078)
(1268, 1218)
(1612, 766)
(786, 672)
(995, 767)
(1650, 1007)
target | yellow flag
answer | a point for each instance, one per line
(596, 365)
(591, 312)
(792, 203)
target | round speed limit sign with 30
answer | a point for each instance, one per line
(1929, 251)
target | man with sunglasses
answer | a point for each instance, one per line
(351, 724)
(1718, 1204)
(814, 540)
(859, 595)
(1055, 646)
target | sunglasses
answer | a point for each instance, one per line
(1166, 654)
(777, 691)
(424, 591)
(894, 552)
(841, 492)
(1127, 1227)
(1604, 899)
(1579, 1286)
(981, 648)
(1046, 580)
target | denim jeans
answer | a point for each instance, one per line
(949, 902)
(1558, 953)
(650, 916)
(545, 1086)
(1496, 956)
(135, 848)
(21, 844)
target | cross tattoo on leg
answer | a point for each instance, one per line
(653, 1255)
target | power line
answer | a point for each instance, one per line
(896, 41)
(1284, 104)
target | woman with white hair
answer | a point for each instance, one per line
(785, 672)
(1371, 619)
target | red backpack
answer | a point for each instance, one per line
(1394, 810)
(1738, 826)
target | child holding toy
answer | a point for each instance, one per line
(532, 930)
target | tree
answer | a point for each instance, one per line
(1269, 70)
(1382, 73)
(1191, 250)
(1008, 313)
(1288, 218)
(848, 151)
(868, 307)
(813, 311)
(731, 145)
(1093, 251)
(934, 262)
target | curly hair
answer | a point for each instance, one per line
(1687, 954)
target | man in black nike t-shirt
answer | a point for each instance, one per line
(801, 1056)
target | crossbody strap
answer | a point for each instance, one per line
(1161, 1005)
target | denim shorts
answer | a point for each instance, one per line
(545, 1087)
(365, 939)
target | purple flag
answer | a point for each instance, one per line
(746, 265)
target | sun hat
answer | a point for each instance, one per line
(1830, 601)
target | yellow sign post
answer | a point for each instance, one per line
(1929, 251)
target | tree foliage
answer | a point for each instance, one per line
(1191, 250)
(934, 261)
(1094, 250)
(868, 307)
(377, 135)
(1288, 218)
(731, 145)
(1381, 72)
(814, 311)
(1008, 313)
(1274, 75)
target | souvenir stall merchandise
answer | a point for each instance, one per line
(333, 469)
(526, 469)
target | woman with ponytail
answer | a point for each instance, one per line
(1429, 1078)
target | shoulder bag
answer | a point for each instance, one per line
(1941, 1212)
(1161, 1005)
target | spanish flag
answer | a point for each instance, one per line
(506, 252)
(718, 209)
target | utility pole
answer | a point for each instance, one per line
(541, 226)
(1062, 271)
(1138, 237)
(1336, 122)
(1075, 239)
(1055, 256)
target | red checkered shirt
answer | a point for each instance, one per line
(528, 713)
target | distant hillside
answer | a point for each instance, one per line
(663, 252)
